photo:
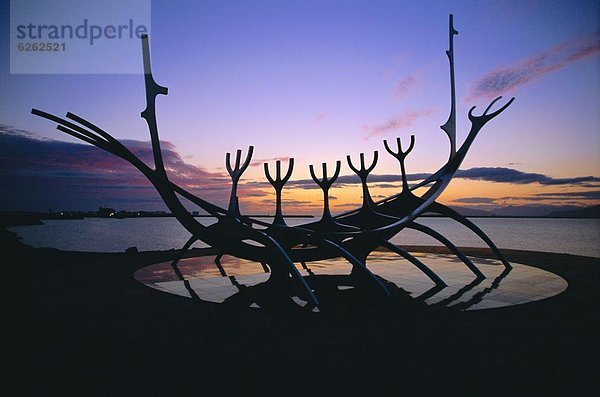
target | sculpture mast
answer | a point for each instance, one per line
(450, 126)
(152, 91)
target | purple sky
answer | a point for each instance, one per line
(316, 81)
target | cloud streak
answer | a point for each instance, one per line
(260, 162)
(405, 120)
(488, 174)
(321, 117)
(404, 86)
(589, 195)
(510, 175)
(475, 200)
(508, 79)
(36, 173)
(579, 198)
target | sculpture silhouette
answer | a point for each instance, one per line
(351, 235)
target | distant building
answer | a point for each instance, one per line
(106, 212)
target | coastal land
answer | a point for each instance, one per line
(78, 322)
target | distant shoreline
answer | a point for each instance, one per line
(515, 217)
(33, 218)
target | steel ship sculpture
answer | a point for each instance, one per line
(352, 235)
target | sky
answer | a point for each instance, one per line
(316, 81)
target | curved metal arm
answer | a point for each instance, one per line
(479, 121)
(438, 236)
(449, 212)
(420, 265)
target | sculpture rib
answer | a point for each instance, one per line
(449, 245)
(449, 212)
(420, 265)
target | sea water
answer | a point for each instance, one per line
(572, 236)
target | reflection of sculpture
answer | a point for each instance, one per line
(352, 235)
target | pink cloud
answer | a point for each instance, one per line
(507, 79)
(260, 162)
(322, 117)
(404, 86)
(406, 119)
(398, 63)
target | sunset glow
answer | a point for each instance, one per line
(317, 81)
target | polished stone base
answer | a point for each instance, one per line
(218, 283)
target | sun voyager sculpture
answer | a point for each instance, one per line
(352, 235)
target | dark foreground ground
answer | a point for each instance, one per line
(80, 323)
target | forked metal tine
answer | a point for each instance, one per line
(278, 184)
(289, 172)
(313, 176)
(325, 182)
(338, 167)
(248, 158)
(278, 181)
(238, 157)
(236, 171)
(363, 172)
(227, 163)
(268, 174)
(278, 169)
(374, 163)
(400, 154)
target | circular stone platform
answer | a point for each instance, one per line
(216, 282)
